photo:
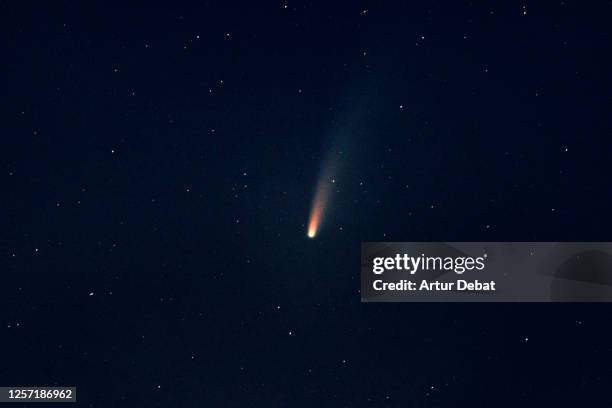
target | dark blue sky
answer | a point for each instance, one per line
(159, 164)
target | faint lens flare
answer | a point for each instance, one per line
(320, 202)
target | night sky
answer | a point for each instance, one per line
(159, 165)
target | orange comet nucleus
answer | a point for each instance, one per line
(318, 205)
(315, 218)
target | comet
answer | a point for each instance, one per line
(318, 208)
(339, 145)
(321, 201)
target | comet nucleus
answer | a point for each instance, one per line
(320, 202)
